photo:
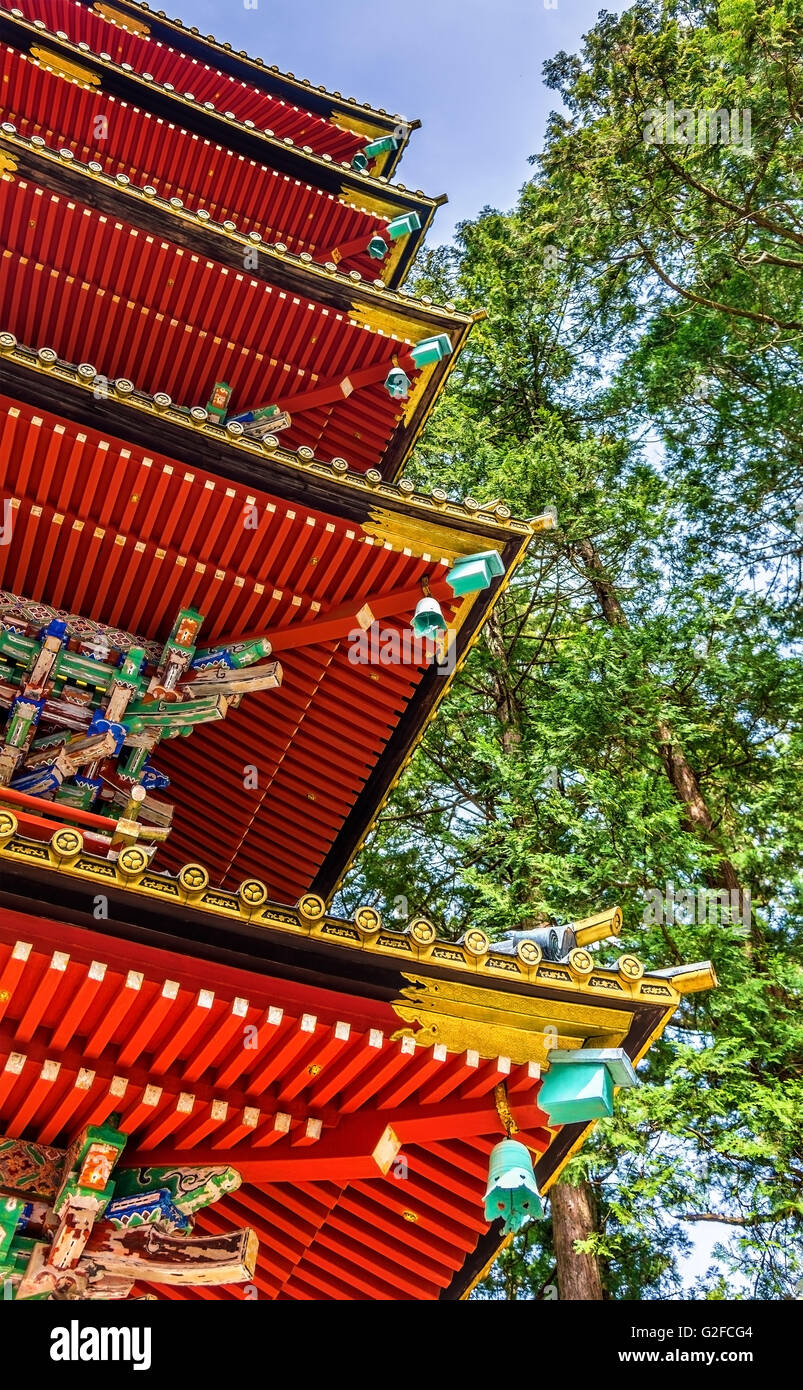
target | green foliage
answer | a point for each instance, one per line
(660, 622)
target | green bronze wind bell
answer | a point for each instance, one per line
(397, 384)
(512, 1192)
(428, 620)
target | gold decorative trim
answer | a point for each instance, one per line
(385, 166)
(521, 1027)
(379, 200)
(420, 536)
(355, 125)
(65, 67)
(492, 1008)
(121, 19)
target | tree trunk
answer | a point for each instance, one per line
(507, 705)
(573, 1218)
(597, 576)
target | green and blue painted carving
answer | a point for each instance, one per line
(190, 1189)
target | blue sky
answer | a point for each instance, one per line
(470, 70)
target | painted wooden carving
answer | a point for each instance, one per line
(190, 1188)
(263, 421)
(87, 706)
(168, 1258)
(146, 1209)
(75, 1225)
(85, 1191)
(31, 1168)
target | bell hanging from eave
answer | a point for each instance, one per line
(428, 619)
(397, 384)
(512, 1192)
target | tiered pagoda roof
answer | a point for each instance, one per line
(127, 536)
(313, 1118)
(317, 200)
(111, 27)
(105, 265)
(93, 266)
(210, 381)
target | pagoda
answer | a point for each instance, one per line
(225, 621)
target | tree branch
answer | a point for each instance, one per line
(755, 1220)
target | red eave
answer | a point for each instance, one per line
(128, 538)
(169, 1059)
(135, 306)
(166, 64)
(180, 164)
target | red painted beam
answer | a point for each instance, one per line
(395, 1059)
(344, 1154)
(337, 390)
(245, 1125)
(359, 1147)
(77, 1010)
(49, 982)
(194, 1020)
(55, 808)
(450, 1078)
(488, 1076)
(303, 1074)
(211, 1047)
(150, 1022)
(42, 828)
(361, 1054)
(12, 972)
(395, 604)
(35, 1100)
(72, 1060)
(327, 627)
(62, 1117)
